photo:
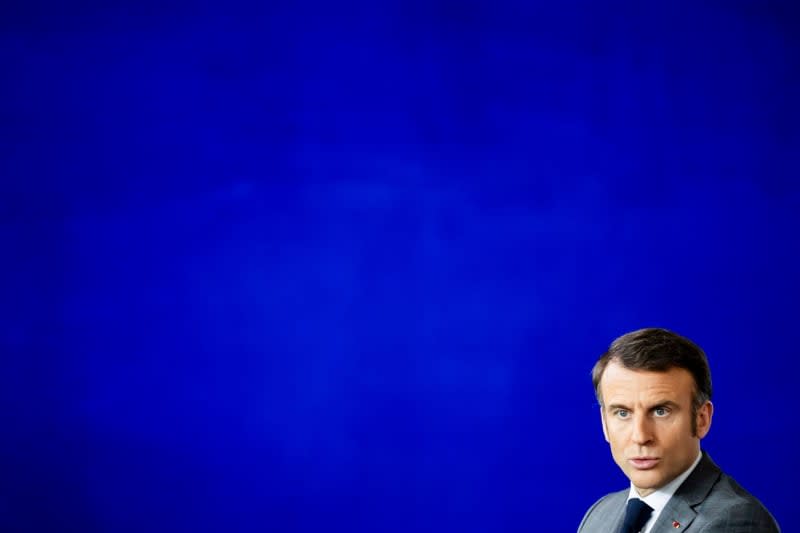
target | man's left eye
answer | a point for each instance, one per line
(661, 412)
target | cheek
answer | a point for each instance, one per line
(617, 437)
(675, 432)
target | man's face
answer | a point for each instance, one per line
(647, 420)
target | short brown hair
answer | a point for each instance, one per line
(658, 350)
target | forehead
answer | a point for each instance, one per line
(620, 384)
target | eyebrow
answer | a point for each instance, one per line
(656, 405)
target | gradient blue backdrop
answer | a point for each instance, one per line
(300, 267)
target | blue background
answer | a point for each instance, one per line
(312, 266)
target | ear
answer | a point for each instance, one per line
(703, 420)
(603, 423)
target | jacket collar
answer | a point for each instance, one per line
(680, 508)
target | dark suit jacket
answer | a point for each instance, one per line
(709, 501)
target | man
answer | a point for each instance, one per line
(654, 390)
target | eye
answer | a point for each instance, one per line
(661, 411)
(622, 413)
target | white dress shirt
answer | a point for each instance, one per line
(658, 499)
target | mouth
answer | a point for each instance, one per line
(644, 463)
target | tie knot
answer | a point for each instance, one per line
(637, 513)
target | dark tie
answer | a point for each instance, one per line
(637, 513)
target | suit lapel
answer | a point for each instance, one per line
(677, 510)
(619, 514)
(692, 492)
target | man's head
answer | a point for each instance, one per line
(654, 390)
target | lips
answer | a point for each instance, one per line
(643, 463)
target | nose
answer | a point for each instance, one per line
(642, 431)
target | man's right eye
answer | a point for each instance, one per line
(622, 413)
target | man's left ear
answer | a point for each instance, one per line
(704, 415)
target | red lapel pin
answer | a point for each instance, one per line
(676, 524)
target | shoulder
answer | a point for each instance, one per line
(603, 511)
(714, 502)
(729, 507)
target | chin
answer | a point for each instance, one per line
(649, 481)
